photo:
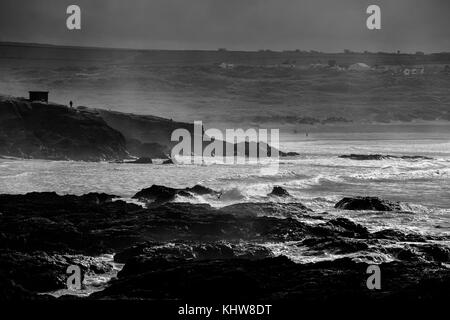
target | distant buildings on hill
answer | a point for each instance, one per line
(334, 65)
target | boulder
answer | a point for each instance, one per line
(367, 203)
(160, 194)
(156, 193)
(279, 192)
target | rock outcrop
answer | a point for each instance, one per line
(183, 250)
(143, 160)
(381, 157)
(168, 161)
(57, 132)
(279, 192)
(368, 203)
(276, 279)
(160, 194)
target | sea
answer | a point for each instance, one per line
(317, 177)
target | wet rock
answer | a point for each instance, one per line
(156, 193)
(201, 190)
(12, 291)
(38, 271)
(206, 247)
(258, 209)
(434, 252)
(194, 250)
(367, 203)
(279, 192)
(398, 235)
(278, 279)
(157, 256)
(342, 227)
(94, 225)
(142, 160)
(289, 154)
(35, 272)
(335, 245)
(381, 157)
(160, 194)
(168, 161)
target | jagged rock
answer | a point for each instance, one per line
(207, 248)
(38, 271)
(398, 235)
(341, 226)
(201, 190)
(255, 209)
(143, 160)
(93, 224)
(367, 203)
(277, 279)
(279, 192)
(288, 154)
(12, 291)
(146, 150)
(193, 250)
(164, 194)
(168, 161)
(335, 245)
(157, 193)
(152, 256)
(434, 252)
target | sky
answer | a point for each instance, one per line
(325, 25)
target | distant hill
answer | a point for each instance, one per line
(265, 89)
(158, 56)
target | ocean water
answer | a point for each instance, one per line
(317, 177)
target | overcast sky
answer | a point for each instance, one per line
(326, 25)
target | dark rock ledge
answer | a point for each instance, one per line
(367, 203)
(189, 251)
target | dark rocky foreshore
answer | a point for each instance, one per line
(183, 251)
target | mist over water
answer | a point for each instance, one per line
(258, 91)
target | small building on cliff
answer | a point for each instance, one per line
(38, 96)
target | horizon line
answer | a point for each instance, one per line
(310, 51)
